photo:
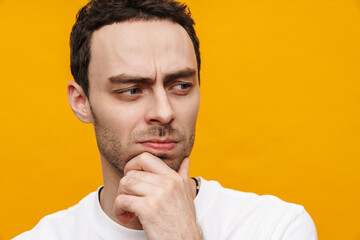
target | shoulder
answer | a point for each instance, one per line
(217, 195)
(266, 215)
(60, 224)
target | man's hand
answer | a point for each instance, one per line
(160, 197)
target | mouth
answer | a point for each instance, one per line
(162, 145)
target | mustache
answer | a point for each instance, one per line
(158, 131)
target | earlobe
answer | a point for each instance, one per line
(79, 102)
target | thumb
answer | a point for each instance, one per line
(184, 168)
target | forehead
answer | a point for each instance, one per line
(148, 48)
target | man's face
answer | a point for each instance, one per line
(143, 91)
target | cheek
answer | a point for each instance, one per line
(187, 113)
(124, 121)
(120, 119)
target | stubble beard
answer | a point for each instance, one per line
(118, 155)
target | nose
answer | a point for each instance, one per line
(160, 111)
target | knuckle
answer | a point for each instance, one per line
(152, 203)
(171, 184)
(131, 173)
(143, 156)
(121, 202)
(125, 182)
(122, 182)
(125, 202)
(161, 193)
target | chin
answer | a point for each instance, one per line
(174, 163)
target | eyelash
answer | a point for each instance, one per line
(130, 90)
(188, 85)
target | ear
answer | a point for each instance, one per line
(79, 103)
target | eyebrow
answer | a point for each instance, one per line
(126, 78)
(185, 73)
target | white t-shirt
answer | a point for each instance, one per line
(221, 213)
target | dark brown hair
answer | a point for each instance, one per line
(98, 13)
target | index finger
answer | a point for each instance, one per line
(149, 163)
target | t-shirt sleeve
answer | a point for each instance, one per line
(301, 227)
(39, 232)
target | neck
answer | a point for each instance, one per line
(109, 193)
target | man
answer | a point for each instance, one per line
(136, 67)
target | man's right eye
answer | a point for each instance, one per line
(129, 94)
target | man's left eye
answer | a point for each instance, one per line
(182, 86)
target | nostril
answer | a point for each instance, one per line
(160, 110)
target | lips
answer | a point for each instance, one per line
(160, 145)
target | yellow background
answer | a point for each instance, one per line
(279, 113)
